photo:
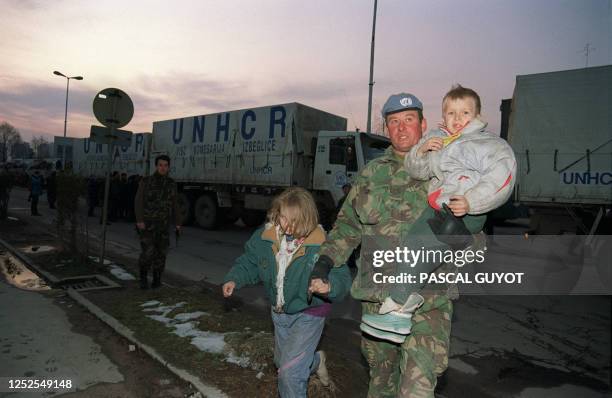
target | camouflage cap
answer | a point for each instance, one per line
(401, 102)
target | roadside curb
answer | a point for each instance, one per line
(118, 327)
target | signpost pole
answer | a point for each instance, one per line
(105, 205)
(114, 109)
(107, 185)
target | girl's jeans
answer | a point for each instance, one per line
(296, 337)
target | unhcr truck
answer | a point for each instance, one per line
(90, 158)
(231, 164)
(561, 131)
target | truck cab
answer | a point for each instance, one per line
(339, 157)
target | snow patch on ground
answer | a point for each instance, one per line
(242, 361)
(187, 316)
(97, 260)
(204, 340)
(160, 318)
(120, 273)
(165, 309)
(210, 342)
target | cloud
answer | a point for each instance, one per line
(37, 108)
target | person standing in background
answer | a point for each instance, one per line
(154, 204)
(36, 189)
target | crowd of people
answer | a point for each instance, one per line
(121, 195)
(122, 192)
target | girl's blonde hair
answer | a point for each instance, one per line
(305, 216)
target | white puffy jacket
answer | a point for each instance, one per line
(479, 165)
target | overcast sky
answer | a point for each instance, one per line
(184, 58)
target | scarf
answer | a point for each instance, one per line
(288, 247)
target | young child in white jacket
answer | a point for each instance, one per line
(470, 169)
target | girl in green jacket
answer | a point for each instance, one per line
(281, 255)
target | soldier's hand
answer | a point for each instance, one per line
(140, 225)
(228, 288)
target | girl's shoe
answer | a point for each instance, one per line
(322, 373)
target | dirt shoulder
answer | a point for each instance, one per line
(225, 343)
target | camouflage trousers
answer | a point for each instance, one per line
(410, 370)
(154, 243)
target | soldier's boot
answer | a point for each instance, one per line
(144, 283)
(156, 279)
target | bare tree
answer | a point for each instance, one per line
(378, 122)
(9, 135)
(36, 143)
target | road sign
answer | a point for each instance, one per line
(113, 108)
(105, 135)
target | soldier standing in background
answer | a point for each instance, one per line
(154, 204)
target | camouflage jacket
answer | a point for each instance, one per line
(382, 205)
(156, 200)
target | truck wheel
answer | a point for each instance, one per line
(253, 218)
(185, 213)
(228, 218)
(205, 212)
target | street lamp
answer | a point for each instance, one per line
(66, 110)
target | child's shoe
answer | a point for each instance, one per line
(393, 317)
(322, 373)
(381, 334)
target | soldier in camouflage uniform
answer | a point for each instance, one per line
(155, 201)
(380, 208)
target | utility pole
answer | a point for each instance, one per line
(586, 51)
(371, 84)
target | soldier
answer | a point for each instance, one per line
(381, 206)
(154, 203)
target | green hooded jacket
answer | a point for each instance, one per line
(258, 264)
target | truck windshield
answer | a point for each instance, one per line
(373, 147)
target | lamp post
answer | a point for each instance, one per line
(66, 111)
(371, 83)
